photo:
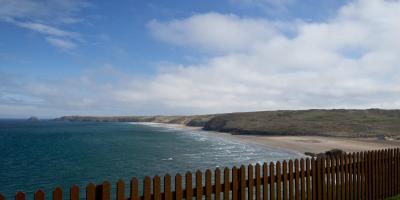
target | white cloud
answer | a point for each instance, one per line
(44, 16)
(47, 30)
(272, 71)
(214, 31)
(63, 44)
(313, 68)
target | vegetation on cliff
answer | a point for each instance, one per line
(337, 122)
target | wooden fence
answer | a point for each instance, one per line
(363, 175)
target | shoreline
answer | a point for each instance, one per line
(297, 144)
(319, 144)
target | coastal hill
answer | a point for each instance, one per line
(336, 122)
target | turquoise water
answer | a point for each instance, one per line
(47, 154)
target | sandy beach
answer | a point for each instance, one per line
(318, 144)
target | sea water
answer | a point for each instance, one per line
(47, 154)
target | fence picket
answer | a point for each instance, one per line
(328, 179)
(167, 187)
(217, 180)
(235, 183)
(314, 178)
(265, 181)
(226, 184)
(272, 180)
(134, 193)
(90, 192)
(296, 180)
(250, 188)
(308, 180)
(242, 182)
(302, 178)
(120, 190)
(57, 194)
(20, 196)
(178, 187)
(278, 181)
(258, 182)
(199, 185)
(285, 181)
(39, 195)
(208, 184)
(74, 193)
(291, 195)
(188, 186)
(147, 188)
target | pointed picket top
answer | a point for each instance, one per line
(120, 190)
(90, 191)
(57, 194)
(39, 195)
(20, 196)
(134, 191)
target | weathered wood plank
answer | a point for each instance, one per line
(226, 183)
(250, 175)
(134, 192)
(39, 195)
(258, 182)
(208, 184)
(120, 190)
(57, 194)
(74, 193)
(217, 180)
(178, 187)
(167, 187)
(188, 185)
(278, 181)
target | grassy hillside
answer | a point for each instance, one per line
(347, 123)
(340, 122)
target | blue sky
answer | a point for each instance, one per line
(64, 57)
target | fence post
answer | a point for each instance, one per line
(314, 178)
(258, 182)
(20, 196)
(167, 187)
(146, 188)
(242, 182)
(90, 192)
(2, 197)
(217, 180)
(226, 184)
(134, 193)
(199, 185)
(208, 184)
(265, 181)
(120, 190)
(57, 194)
(250, 174)
(74, 193)
(39, 195)
(188, 187)
(285, 180)
(278, 181)
(178, 187)
(156, 188)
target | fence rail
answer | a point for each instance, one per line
(363, 175)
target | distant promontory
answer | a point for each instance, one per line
(33, 119)
(316, 122)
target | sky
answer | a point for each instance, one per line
(156, 57)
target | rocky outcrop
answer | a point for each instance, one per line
(33, 119)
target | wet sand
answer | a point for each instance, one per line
(318, 144)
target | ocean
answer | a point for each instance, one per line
(47, 154)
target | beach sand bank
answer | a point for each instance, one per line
(318, 144)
